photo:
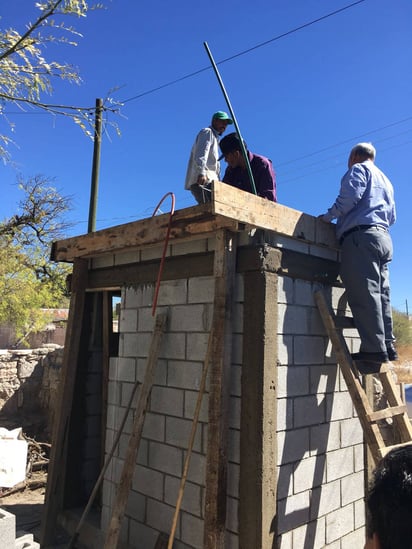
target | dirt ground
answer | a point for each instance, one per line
(27, 506)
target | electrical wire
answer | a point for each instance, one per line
(244, 52)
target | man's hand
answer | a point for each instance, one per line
(201, 180)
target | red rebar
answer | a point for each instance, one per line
(159, 275)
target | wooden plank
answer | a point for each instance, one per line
(401, 421)
(259, 212)
(123, 488)
(387, 413)
(219, 393)
(186, 223)
(58, 455)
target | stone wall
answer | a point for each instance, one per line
(28, 387)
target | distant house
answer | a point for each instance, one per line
(53, 332)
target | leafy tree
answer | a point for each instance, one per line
(402, 328)
(29, 281)
(26, 75)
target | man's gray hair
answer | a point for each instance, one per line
(365, 150)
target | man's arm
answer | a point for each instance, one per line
(265, 180)
(352, 187)
(201, 153)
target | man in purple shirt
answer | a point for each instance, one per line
(236, 173)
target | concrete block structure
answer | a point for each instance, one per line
(278, 457)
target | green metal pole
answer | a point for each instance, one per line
(96, 166)
(244, 152)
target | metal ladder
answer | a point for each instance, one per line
(371, 421)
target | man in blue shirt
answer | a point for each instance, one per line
(364, 210)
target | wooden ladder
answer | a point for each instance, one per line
(371, 421)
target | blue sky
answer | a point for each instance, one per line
(303, 100)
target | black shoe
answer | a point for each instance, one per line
(370, 357)
(368, 367)
(390, 349)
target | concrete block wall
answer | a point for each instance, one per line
(169, 418)
(320, 440)
(320, 461)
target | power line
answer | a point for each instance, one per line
(278, 37)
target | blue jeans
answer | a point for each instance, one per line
(365, 257)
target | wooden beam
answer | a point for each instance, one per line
(259, 212)
(58, 456)
(219, 392)
(186, 224)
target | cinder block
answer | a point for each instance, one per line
(308, 350)
(192, 496)
(323, 379)
(136, 506)
(141, 535)
(339, 463)
(166, 400)
(310, 535)
(308, 410)
(173, 292)
(284, 414)
(192, 531)
(232, 515)
(190, 405)
(196, 346)
(325, 437)
(234, 446)
(178, 433)
(339, 406)
(197, 468)
(285, 349)
(160, 371)
(309, 473)
(24, 541)
(353, 488)
(148, 482)
(339, 523)
(293, 381)
(159, 515)
(7, 528)
(351, 432)
(166, 459)
(286, 289)
(154, 427)
(188, 318)
(128, 320)
(304, 293)
(184, 375)
(201, 289)
(354, 539)
(293, 445)
(296, 511)
(325, 499)
(173, 346)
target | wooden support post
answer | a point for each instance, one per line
(58, 456)
(219, 392)
(123, 489)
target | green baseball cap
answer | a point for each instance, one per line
(222, 115)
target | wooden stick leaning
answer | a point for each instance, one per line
(191, 441)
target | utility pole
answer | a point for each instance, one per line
(407, 312)
(96, 165)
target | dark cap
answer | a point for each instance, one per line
(230, 143)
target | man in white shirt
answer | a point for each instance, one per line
(204, 165)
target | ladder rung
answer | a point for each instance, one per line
(344, 322)
(387, 412)
(386, 449)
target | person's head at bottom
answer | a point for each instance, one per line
(389, 502)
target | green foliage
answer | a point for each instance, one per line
(26, 75)
(402, 328)
(29, 281)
